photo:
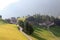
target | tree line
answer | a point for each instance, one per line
(29, 21)
(27, 25)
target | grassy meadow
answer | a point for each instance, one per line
(44, 34)
(10, 32)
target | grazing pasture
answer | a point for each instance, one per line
(41, 33)
(10, 32)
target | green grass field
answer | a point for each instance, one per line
(10, 32)
(2, 21)
(43, 34)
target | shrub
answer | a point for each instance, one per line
(57, 22)
(21, 23)
(28, 28)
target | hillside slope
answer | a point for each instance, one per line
(10, 32)
(43, 34)
(2, 21)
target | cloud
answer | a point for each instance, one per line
(25, 7)
(4, 3)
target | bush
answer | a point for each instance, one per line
(57, 22)
(28, 28)
(21, 23)
(7, 20)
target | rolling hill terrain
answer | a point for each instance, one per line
(10, 32)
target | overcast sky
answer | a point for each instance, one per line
(16, 8)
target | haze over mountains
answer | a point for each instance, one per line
(25, 7)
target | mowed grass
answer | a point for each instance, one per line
(43, 34)
(10, 32)
(22, 19)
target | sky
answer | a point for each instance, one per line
(19, 8)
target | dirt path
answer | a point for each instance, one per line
(29, 38)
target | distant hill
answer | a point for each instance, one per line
(2, 21)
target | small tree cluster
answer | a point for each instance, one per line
(57, 21)
(7, 20)
(21, 23)
(0, 16)
(27, 28)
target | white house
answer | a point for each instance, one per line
(47, 23)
